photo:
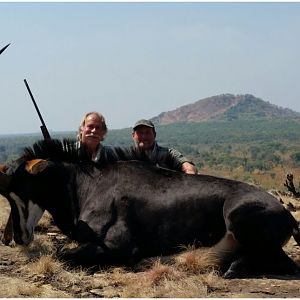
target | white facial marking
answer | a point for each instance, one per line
(28, 224)
(20, 206)
(35, 213)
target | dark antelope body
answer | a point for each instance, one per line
(127, 210)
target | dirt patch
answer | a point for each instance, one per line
(35, 272)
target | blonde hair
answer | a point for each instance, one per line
(82, 123)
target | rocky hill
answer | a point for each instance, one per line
(224, 107)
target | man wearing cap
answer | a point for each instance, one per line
(144, 135)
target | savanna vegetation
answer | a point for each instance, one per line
(261, 150)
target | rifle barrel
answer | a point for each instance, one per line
(43, 127)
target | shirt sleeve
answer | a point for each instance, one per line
(175, 159)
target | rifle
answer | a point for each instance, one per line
(4, 48)
(43, 127)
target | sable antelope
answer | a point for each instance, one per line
(126, 210)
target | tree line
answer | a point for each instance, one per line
(253, 144)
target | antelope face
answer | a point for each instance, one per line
(18, 187)
(25, 215)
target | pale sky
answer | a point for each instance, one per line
(136, 60)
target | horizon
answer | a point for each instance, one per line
(60, 132)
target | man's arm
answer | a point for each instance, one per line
(181, 162)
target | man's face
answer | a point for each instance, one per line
(144, 137)
(92, 131)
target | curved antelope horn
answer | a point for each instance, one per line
(4, 48)
(4, 181)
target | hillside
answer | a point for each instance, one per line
(224, 107)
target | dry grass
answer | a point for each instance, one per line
(45, 222)
(169, 281)
(46, 266)
(197, 261)
(41, 246)
(15, 287)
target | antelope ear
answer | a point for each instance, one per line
(36, 166)
(4, 181)
(3, 168)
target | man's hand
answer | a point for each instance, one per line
(188, 168)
